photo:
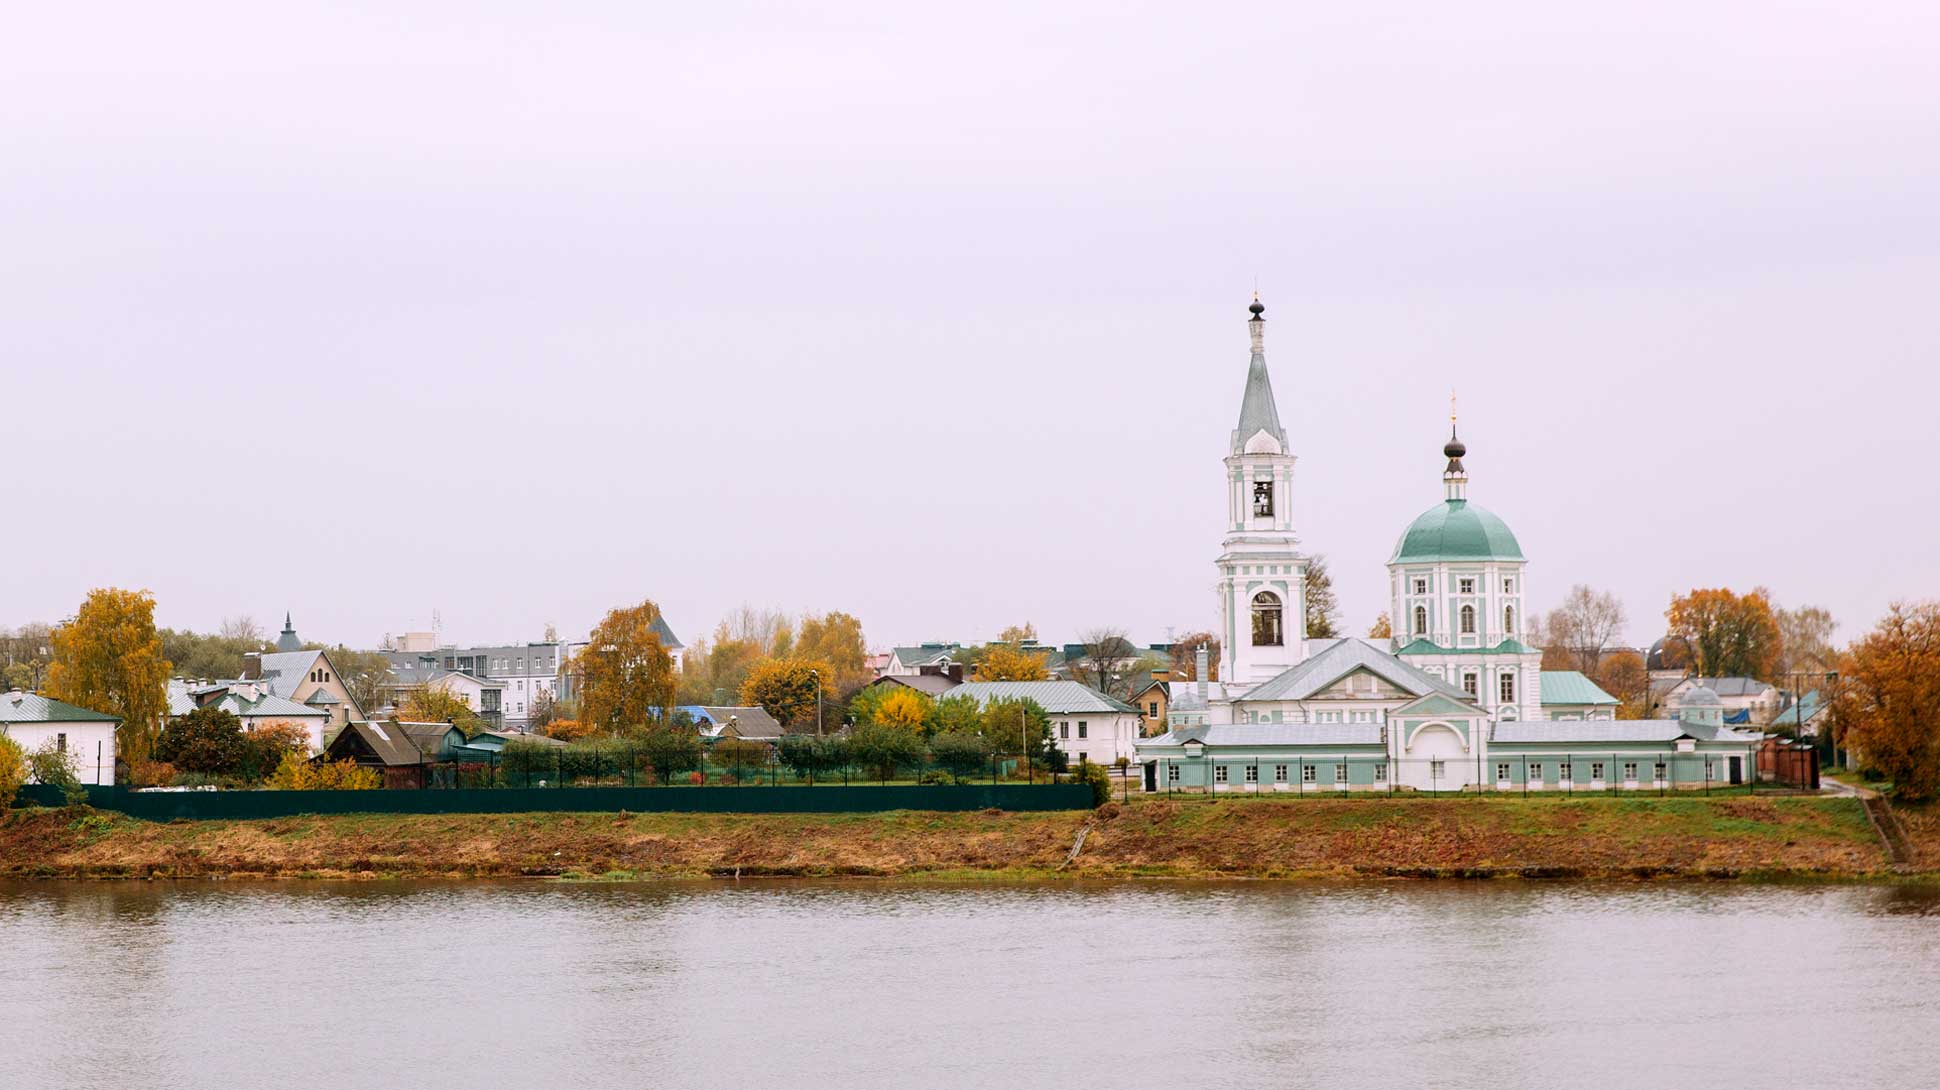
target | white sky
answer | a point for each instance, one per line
(937, 316)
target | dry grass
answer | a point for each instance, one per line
(1600, 837)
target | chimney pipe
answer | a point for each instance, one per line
(252, 665)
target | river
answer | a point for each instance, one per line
(856, 986)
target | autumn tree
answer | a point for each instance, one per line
(1323, 609)
(626, 676)
(1185, 657)
(956, 715)
(1016, 727)
(770, 630)
(1730, 635)
(1622, 675)
(1383, 628)
(207, 655)
(1888, 700)
(367, 674)
(1002, 662)
(1017, 633)
(1583, 626)
(27, 652)
(904, 708)
(788, 689)
(109, 659)
(437, 704)
(835, 638)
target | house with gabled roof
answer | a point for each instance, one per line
(1570, 694)
(304, 677)
(905, 661)
(32, 721)
(250, 701)
(1085, 723)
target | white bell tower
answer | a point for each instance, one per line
(1262, 576)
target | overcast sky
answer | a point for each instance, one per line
(519, 312)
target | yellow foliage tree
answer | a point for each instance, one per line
(1383, 628)
(298, 774)
(13, 770)
(905, 709)
(109, 659)
(1002, 662)
(625, 673)
(788, 688)
(433, 704)
(1889, 699)
(835, 638)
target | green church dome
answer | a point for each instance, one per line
(1456, 530)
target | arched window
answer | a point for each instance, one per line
(1468, 620)
(1266, 619)
(1421, 620)
(1508, 620)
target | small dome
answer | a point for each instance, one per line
(1257, 308)
(1456, 530)
(1700, 696)
(1454, 448)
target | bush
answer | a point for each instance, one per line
(205, 740)
(146, 773)
(1099, 780)
(13, 770)
(808, 755)
(265, 747)
(668, 751)
(55, 767)
(885, 749)
(297, 774)
(961, 755)
(696, 778)
(523, 762)
(570, 730)
(935, 776)
(738, 756)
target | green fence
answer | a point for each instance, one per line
(207, 805)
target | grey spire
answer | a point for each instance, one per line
(1257, 411)
(287, 641)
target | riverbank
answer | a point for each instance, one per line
(1600, 837)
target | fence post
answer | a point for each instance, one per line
(558, 767)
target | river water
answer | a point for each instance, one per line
(850, 985)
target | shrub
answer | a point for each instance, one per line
(808, 755)
(13, 770)
(885, 749)
(297, 774)
(204, 740)
(1099, 780)
(524, 762)
(146, 773)
(696, 778)
(669, 751)
(739, 756)
(265, 747)
(935, 776)
(570, 730)
(961, 755)
(55, 767)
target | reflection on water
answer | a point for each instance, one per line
(858, 986)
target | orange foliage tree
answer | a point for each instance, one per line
(1888, 702)
(1730, 634)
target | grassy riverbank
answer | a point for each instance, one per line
(1191, 838)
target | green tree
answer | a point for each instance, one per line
(788, 689)
(207, 740)
(1016, 726)
(885, 750)
(961, 755)
(207, 655)
(435, 704)
(56, 767)
(671, 750)
(956, 715)
(109, 659)
(867, 700)
(367, 674)
(626, 676)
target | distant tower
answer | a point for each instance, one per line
(287, 641)
(1262, 576)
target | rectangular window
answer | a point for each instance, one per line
(1469, 683)
(1468, 586)
(1084, 729)
(1508, 586)
(1172, 773)
(1421, 586)
(1657, 770)
(1152, 710)
(1064, 732)
(1596, 770)
(1536, 772)
(1219, 773)
(1083, 758)
(1437, 769)
(1501, 771)
(1381, 772)
(60, 742)
(1279, 773)
(1340, 773)
(1630, 772)
(1506, 688)
(1710, 769)
(1307, 773)
(1562, 771)
(1252, 773)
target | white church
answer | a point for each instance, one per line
(1453, 700)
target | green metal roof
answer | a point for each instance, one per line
(1428, 647)
(1572, 687)
(34, 708)
(1456, 530)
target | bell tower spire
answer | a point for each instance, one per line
(1455, 477)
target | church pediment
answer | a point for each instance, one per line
(1437, 705)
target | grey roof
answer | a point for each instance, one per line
(1186, 698)
(284, 671)
(1808, 708)
(924, 654)
(1723, 686)
(1273, 734)
(1056, 697)
(752, 722)
(387, 740)
(184, 698)
(1257, 410)
(1612, 730)
(1343, 657)
(533, 659)
(286, 640)
(930, 684)
(22, 707)
(1699, 696)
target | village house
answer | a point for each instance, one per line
(32, 721)
(1085, 723)
(250, 701)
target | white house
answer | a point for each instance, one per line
(33, 721)
(250, 701)
(1085, 723)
